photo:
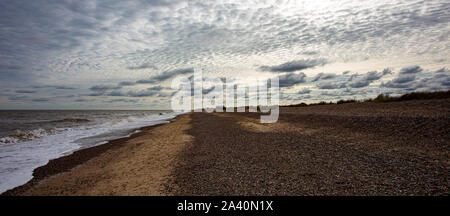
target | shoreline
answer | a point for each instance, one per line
(350, 149)
(78, 157)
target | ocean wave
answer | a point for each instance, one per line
(21, 136)
(104, 127)
(35, 148)
(75, 120)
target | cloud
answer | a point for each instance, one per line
(309, 53)
(331, 93)
(437, 80)
(40, 99)
(146, 81)
(143, 66)
(127, 83)
(353, 76)
(292, 66)
(156, 88)
(324, 76)
(148, 92)
(10, 67)
(404, 79)
(25, 91)
(443, 70)
(114, 93)
(207, 91)
(143, 93)
(61, 87)
(291, 79)
(359, 83)
(94, 94)
(411, 70)
(387, 71)
(83, 42)
(401, 81)
(304, 91)
(102, 88)
(81, 100)
(17, 97)
(330, 85)
(122, 100)
(367, 79)
(166, 75)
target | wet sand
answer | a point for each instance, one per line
(138, 165)
(397, 148)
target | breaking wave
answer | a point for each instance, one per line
(75, 120)
(21, 151)
(21, 136)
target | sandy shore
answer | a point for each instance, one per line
(139, 165)
(398, 148)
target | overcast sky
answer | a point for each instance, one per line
(100, 54)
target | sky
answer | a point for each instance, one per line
(113, 54)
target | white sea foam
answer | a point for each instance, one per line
(21, 136)
(21, 154)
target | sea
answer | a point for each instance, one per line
(30, 138)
